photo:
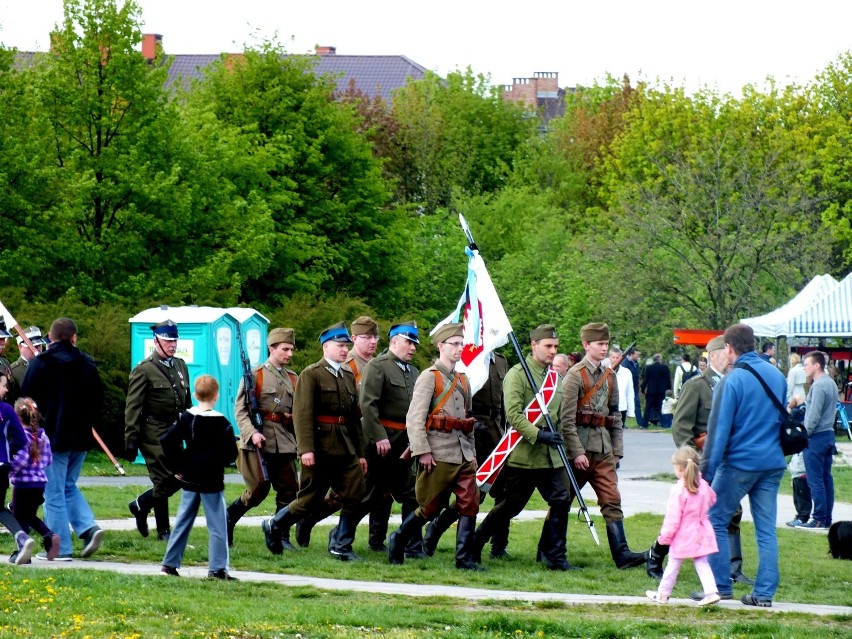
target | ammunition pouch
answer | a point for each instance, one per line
(447, 424)
(595, 420)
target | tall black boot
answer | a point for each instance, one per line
(414, 547)
(235, 512)
(306, 524)
(654, 563)
(554, 533)
(737, 560)
(379, 515)
(139, 508)
(161, 517)
(399, 539)
(500, 542)
(465, 532)
(437, 527)
(340, 541)
(273, 528)
(479, 537)
(542, 538)
(621, 553)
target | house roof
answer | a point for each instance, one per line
(372, 74)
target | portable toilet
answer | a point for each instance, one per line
(254, 327)
(208, 344)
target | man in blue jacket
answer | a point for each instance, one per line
(742, 456)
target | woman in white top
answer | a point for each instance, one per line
(685, 369)
(796, 378)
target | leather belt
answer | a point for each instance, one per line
(448, 424)
(598, 420)
(278, 418)
(330, 419)
(388, 423)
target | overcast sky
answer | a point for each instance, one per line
(725, 44)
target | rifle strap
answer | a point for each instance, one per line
(355, 371)
(442, 394)
(594, 389)
(258, 384)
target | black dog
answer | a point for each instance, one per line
(840, 540)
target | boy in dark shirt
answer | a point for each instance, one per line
(198, 446)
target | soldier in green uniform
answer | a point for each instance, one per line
(328, 442)
(274, 387)
(689, 428)
(19, 366)
(487, 431)
(158, 391)
(386, 389)
(365, 340)
(591, 426)
(5, 367)
(535, 463)
(442, 441)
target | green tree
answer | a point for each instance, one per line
(711, 221)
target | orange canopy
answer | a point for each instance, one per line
(694, 336)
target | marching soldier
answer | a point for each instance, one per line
(274, 445)
(365, 340)
(689, 428)
(158, 391)
(442, 441)
(487, 431)
(328, 442)
(386, 389)
(19, 366)
(591, 426)
(535, 463)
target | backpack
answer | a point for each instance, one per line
(687, 374)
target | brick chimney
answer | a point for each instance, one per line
(150, 44)
(325, 50)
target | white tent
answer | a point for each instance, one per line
(829, 316)
(777, 322)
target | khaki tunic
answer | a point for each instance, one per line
(453, 447)
(276, 396)
(156, 395)
(580, 440)
(356, 365)
(693, 408)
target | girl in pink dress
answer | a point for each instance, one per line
(686, 529)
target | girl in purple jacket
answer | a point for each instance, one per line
(686, 528)
(12, 441)
(28, 475)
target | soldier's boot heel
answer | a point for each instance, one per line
(467, 558)
(161, 518)
(341, 538)
(399, 539)
(436, 528)
(621, 553)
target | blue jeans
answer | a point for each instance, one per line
(217, 529)
(731, 485)
(818, 458)
(64, 504)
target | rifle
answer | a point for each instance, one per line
(14, 323)
(584, 510)
(250, 399)
(618, 361)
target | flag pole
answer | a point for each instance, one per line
(584, 510)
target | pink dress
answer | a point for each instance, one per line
(686, 528)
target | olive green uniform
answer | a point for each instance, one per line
(325, 416)
(453, 450)
(158, 391)
(12, 382)
(275, 401)
(602, 441)
(692, 411)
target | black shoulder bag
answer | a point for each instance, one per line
(794, 435)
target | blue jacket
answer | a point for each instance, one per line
(744, 427)
(12, 435)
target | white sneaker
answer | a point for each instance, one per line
(653, 595)
(709, 599)
(25, 551)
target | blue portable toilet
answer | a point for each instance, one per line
(208, 343)
(254, 327)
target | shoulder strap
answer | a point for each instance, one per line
(442, 395)
(763, 383)
(294, 379)
(594, 389)
(258, 384)
(354, 368)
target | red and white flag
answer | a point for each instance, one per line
(487, 473)
(486, 326)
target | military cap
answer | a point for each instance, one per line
(364, 326)
(166, 329)
(279, 335)
(716, 343)
(545, 331)
(335, 333)
(34, 335)
(445, 332)
(3, 331)
(407, 329)
(594, 332)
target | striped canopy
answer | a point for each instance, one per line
(829, 316)
(777, 322)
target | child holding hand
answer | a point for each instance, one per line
(686, 529)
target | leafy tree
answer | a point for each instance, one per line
(711, 221)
